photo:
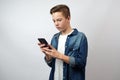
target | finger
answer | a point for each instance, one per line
(46, 49)
(48, 53)
(39, 43)
(42, 45)
(51, 46)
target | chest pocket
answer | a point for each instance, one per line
(73, 50)
(74, 45)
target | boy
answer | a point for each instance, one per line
(67, 54)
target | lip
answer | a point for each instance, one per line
(59, 28)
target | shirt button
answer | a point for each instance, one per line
(63, 78)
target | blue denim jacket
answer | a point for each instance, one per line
(76, 48)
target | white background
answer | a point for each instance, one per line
(23, 21)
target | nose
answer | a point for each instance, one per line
(56, 23)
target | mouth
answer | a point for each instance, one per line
(59, 28)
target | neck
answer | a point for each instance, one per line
(66, 31)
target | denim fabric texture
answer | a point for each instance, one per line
(76, 47)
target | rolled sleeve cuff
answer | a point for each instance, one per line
(48, 62)
(72, 61)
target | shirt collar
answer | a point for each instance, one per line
(73, 33)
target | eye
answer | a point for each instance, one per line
(54, 21)
(59, 20)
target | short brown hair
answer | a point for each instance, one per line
(61, 8)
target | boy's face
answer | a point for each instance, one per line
(60, 21)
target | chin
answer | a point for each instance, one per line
(59, 29)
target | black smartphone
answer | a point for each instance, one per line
(43, 41)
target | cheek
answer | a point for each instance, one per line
(63, 23)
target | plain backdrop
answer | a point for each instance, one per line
(23, 21)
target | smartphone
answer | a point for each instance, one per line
(43, 41)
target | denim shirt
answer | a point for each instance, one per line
(76, 47)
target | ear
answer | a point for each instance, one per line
(69, 17)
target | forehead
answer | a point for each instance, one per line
(57, 15)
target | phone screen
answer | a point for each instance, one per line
(43, 41)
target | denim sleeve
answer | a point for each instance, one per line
(72, 61)
(49, 63)
(79, 60)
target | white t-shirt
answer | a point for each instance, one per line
(59, 63)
